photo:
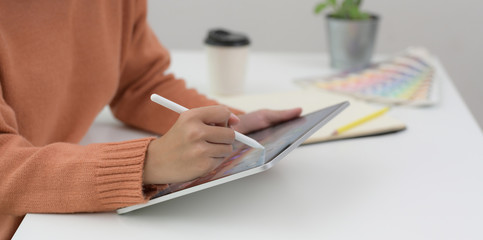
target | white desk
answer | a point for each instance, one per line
(423, 183)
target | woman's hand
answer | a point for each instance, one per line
(196, 144)
(264, 118)
(200, 140)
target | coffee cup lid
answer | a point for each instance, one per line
(221, 37)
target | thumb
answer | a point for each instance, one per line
(277, 116)
(233, 120)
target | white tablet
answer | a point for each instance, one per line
(278, 141)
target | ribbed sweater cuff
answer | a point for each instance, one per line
(119, 173)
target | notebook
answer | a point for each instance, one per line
(408, 78)
(313, 99)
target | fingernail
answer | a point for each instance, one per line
(235, 116)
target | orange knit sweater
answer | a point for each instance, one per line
(61, 62)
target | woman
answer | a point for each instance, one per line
(61, 62)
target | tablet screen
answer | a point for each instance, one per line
(275, 139)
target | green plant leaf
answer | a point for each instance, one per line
(353, 13)
(333, 3)
(356, 2)
(346, 9)
(320, 7)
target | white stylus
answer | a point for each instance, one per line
(179, 109)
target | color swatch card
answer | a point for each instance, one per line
(408, 78)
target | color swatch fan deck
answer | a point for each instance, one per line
(407, 78)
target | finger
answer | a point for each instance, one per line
(233, 120)
(217, 115)
(219, 135)
(276, 116)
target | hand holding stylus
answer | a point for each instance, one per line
(200, 140)
(180, 109)
(191, 148)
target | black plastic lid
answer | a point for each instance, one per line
(221, 37)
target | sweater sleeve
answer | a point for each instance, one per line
(143, 73)
(64, 177)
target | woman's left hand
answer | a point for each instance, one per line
(260, 119)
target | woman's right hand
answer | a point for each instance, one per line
(196, 144)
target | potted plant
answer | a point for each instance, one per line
(351, 33)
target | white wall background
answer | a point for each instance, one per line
(451, 30)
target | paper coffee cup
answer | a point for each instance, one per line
(227, 57)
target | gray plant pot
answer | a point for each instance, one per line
(351, 42)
